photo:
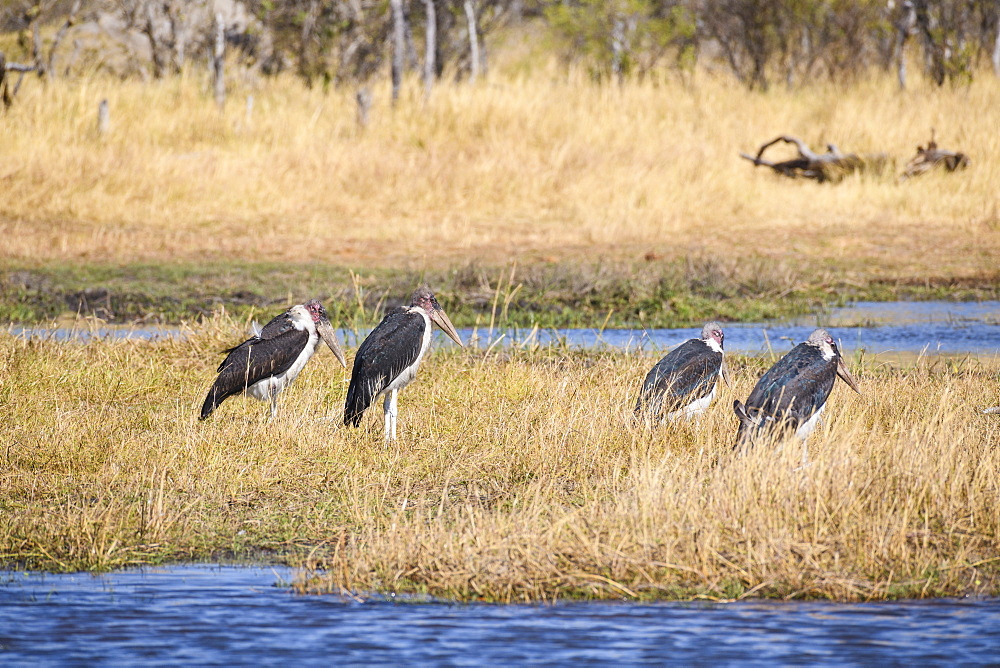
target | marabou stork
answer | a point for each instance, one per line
(387, 360)
(268, 362)
(792, 394)
(683, 383)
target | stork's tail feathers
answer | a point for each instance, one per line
(746, 423)
(355, 405)
(212, 402)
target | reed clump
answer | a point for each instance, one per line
(519, 475)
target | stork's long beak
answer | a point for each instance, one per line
(724, 370)
(329, 336)
(442, 320)
(845, 375)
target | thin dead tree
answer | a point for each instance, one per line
(470, 17)
(905, 27)
(103, 118)
(996, 44)
(69, 23)
(430, 47)
(219, 61)
(5, 96)
(398, 46)
(155, 49)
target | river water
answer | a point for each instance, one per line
(878, 328)
(205, 614)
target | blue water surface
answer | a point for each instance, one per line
(878, 328)
(212, 615)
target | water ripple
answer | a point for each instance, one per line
(224, 615)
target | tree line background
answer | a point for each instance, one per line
(350, 42)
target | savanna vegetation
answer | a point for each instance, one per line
(580, 179)
(519, 474)
(590, 198)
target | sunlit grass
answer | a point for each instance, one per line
(546, 165)
(519, 475)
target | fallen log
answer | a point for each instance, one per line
(830, 166)
(928, 158)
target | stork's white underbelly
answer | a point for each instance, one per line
(809, 425)
(696, 407)
(273, 385)
(407, 375)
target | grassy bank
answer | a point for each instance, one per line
(647, 293)
(518, 476)
(620, 205)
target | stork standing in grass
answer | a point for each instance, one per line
(388, 359)
(268, 362)
(683, 383)
(791, 396)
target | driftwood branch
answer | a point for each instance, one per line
(928, 158)
(830, 166)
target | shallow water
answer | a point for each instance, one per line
(237, 615)
(878, 328)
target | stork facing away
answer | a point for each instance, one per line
(683, 384)
(791, 396)
(388, 358)
(268, 362)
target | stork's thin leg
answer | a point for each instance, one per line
(274, 403)
(394, 411)
(389, 406)
(387, 414)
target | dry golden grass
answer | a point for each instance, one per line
(542, 165)
(518, 476)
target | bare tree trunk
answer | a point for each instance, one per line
(103, 118)
(470, 17)
(305, 62)
(398, 46)
(996, 45)
(618, 48)
(905, 26)
(178, 36)
(430, 47)
(219, 62)
(364, 98)
(36, 48)
(70, 20)
(4, 92)
(411, 48)
(154, 45)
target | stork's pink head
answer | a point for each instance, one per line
(425, 299)
(712, 331)
(317, 311)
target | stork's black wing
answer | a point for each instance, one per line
(253, 360)
(796, 387)
(276, 327)
(391, 347)
(686, 374)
